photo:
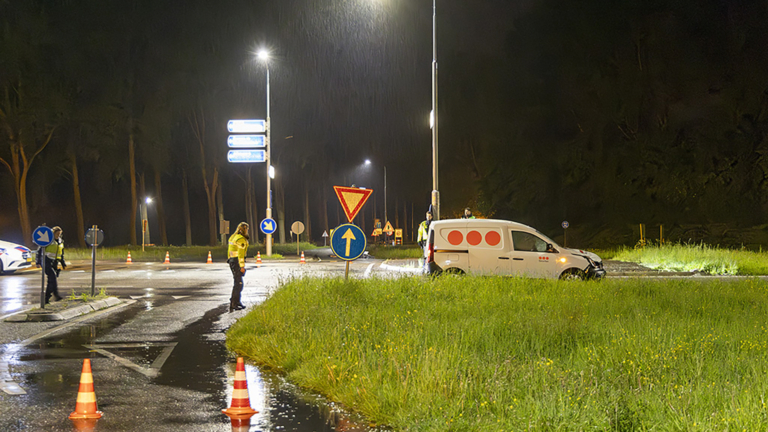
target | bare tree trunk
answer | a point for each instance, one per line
(132, 179)
(187, 214)
(397, 217)
(160, 208)
(220, 207)
(280, 209)
(307, 224)
(198, 128)
(78, 202)
(324, 214)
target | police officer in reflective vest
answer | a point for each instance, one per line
(54, 254)
(238, 247)
(424, 230)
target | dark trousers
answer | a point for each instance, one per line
(237, 289)
(52, 286)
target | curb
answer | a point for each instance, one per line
(65, 314)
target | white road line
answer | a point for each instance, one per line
(368, 271)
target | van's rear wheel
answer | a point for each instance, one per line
(453, 271)
(573, 274)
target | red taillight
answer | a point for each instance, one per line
(431, 248)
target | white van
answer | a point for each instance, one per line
(488, 246)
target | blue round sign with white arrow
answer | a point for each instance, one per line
(42, 236)
(268, 226)
(348, 242)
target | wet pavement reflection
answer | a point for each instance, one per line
(194, 359)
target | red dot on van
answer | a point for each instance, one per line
(474, 238)
(455, 238)
(492, 238)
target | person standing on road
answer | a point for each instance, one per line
(424, 230)
(238, 247)
(53, 254)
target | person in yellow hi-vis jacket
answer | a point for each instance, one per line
(238, 247)
(54, 254)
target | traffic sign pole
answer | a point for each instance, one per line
(93, 264)
(41, 255)
(42, 236)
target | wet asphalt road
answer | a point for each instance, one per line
(159, 363)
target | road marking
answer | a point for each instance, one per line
(152, 371)
(6, 381)
(76, 271)
(106, 271)
(368, 271)
(179, 297)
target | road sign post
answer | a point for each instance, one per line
(348, 243)
(42, 236)
(565, 228)
(94, 237)
(297, 228)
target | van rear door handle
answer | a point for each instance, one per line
(506, 258)
(517, 259)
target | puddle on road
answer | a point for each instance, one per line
(281, 406)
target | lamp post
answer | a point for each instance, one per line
(368, 162)
(144, 222)
(264, 56)
(435, 193)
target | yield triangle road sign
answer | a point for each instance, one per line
(352, 199)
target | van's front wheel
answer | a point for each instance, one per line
(572, 275)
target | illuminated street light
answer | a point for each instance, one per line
(264, 56)
(145, 222)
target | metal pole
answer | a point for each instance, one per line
(346, 272)
(435, 193)
(385, 195)
(93, 260)
(41, 254)
(269, 163)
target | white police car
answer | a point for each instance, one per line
(13, 257)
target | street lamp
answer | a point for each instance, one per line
(367, 163)
(264, 56)
(435, 193)
(145, 222)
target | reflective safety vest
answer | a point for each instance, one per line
(423, 231)
(55, 250)
(238, 247)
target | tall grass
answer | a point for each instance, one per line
(492, 354)
(700, 257)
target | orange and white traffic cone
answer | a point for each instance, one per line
(241, 403)
(210, 260)
(303, 261)
(128, 261)
(86, 398)
(258, 257)
(167, 258)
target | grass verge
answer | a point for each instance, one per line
(394, 252)
(492, 354)
(702, 258)
(180, 253)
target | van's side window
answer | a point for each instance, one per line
(523, 241)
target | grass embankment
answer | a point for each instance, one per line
(697, 258)
(492, 354)
(180, 253)
(395, 252)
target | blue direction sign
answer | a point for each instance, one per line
(246, 156)
(42, 236)
(246, 141)
(348, 242)
(247, 126)
(268, 226)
